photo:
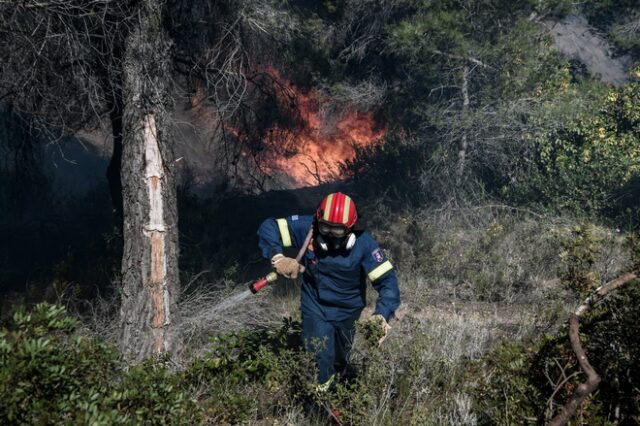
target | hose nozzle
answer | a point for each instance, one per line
(258, 285)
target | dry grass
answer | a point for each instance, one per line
(481, 271)
(468, 279)
(224, 307)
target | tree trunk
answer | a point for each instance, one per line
(115, 165)
(150, 258)
(464, 143)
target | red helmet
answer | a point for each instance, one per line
(339, 209)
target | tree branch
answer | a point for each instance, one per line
(461, 58)
(593, 379)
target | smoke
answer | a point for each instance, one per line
(576, 39)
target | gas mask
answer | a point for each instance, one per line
(334, 237)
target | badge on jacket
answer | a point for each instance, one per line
(378, 255)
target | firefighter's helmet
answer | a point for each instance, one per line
(335, 218)
(337, 210)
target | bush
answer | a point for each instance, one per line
(579, 255)
(528, 381)
(52, 373)
(581, 166)
(252, 374)
(508, 395)
(153, 394)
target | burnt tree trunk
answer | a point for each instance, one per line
(150, 258)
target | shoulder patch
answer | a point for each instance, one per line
(294, 217)
(378, 255)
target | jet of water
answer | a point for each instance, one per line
(229, 302)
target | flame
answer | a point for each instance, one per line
(312, 154)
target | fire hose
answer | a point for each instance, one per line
(271, 277)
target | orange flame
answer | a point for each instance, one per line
(312, 154)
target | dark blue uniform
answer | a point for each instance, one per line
(333, 288)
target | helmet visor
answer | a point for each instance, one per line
(330, 229)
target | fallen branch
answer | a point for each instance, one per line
(593, 379)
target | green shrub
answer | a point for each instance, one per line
(508, 395)
(528, 381)
(153, 394)
(579, 256)
(611, 341)
(581, 166)
(252, 374)
(633, 244)
(52, 373)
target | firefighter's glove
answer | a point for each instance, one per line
(383, 324)
(286, 266)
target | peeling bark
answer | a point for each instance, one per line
(150, 257)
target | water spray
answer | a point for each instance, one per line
(256, 286)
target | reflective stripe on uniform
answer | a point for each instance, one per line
(323, 388)
(284, 232)
(380, 270)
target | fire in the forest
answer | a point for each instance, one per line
(313, 152)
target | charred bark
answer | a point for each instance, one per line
(150, 258)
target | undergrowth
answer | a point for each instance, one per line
(481, 343)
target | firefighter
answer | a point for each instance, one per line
(338, 259)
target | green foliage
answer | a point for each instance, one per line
(633, 243)
(618, 20)
(538, 132)
(152, 393)
(51, 373)
(581, 166)
(496, 40)
(249, 374)
(508, 395)
(527, 382)
(613, 347)
(579, 255)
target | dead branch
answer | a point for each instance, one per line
(316, 173)
(471, 59)
(593, 379)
